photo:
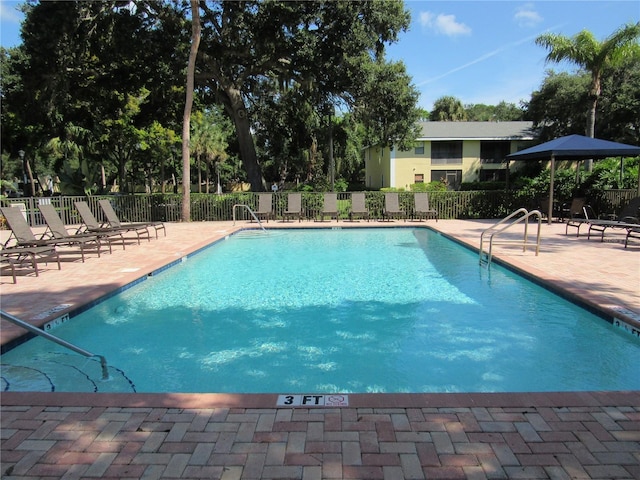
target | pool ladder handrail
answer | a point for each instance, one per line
(37, 331)
(525, 241)
(250, 212)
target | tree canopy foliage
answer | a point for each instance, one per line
(560, 106)
(594, 56)
(119, 65)
(283, 91)
(330, 54)
(99, 68)
(448, 109)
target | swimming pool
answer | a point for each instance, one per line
(365, 310)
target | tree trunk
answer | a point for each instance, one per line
(594, 93)
(162, 179)
(236, 109)
(186, 119)
(122, 173)
(32, 190)
(103, 178)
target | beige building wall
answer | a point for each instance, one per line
(398, 168)
(470, 160)
(408, 164)
(377, 166)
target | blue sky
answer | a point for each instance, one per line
(485, 51)
(478, 51)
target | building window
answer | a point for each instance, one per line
(419, 149)
(451, 178)
(494, 152)
(446, 153)
(418, 178)
(493, 175)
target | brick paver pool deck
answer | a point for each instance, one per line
(585, 435)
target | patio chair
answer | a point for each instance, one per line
(265, 207)
(358, 207)
(392, 207)
(421, 207)
(629, 218)
(578, 214)
(91, 225)
(24, 237)
(114, 221)
(20, 255)
(294, 207)
(57, 229)
(573, 209)
(329, 206)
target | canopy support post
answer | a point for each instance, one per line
(553, 169)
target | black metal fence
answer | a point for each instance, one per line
(212, 207)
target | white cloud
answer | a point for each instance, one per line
(9, 12)
(443, 24)
(526, 16)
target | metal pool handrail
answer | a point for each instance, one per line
(494, 231)
(250, 211)
(59, 341)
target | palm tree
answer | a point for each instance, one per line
(448, 109)
(208, 144)
(591, 55)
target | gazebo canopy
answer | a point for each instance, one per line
(574, 147)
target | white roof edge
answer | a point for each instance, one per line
(516, 137)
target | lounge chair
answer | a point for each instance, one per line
(114, 221)
(543, 207)
(265, 207)
(329, 206)
(24, 237)
(11, 263)
(57, 229)
(421, 207)
(358, 207)
(91, 225)
(392, 207)
(294, 207)
(19, 255)
(578, 214)
(632, 232)
(572, 209)
(629, 218)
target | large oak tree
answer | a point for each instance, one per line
(327, 47)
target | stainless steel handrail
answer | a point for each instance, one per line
(524, 218)
(250, 212)
(58, 340)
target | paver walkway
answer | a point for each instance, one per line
(455, 436)
(588, 435)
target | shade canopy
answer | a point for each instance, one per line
(576, 147)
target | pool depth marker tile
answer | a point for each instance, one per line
(314, 400)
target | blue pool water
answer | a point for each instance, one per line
(364, 310)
